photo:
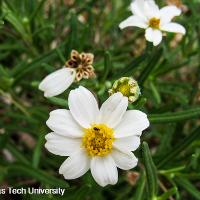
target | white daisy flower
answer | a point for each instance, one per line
(97, 139)
(77, 67)
(147, 15)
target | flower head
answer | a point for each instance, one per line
(79, 66)
(97, 139)
(82, 63)
(147, 15)
(128, 87)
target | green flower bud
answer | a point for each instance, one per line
(128, 87)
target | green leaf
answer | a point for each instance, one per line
(151, 172)
(167, 194)
(73, 37)
(36, 63)
(107, 65)
(3, 140)
(139, 193)
(155, 93)
(181, 146)
(150, 66)
(14, 20)
(58, 101)
(38, 148)
(187, 186)
(3, 173)
(175, 116)
(82, 192)
(17, 154)
(39, 175)
(128, 70)
(37, 9)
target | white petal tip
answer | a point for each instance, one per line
(48, 96)
(155, 44)
(121, 26)
(40, 87)
(184, 31)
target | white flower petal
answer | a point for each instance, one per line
(83, 106)
(157, 37)
(130, 143)
(173, 27)
(113, 109)
(133, 123)
(60, 145)
(75, 166)
(133, 21)
(104, 170)
(137, 8)
(123, 160)
(62, 122)
(149, 34)
(57, 82)
(153, 35)
(167, 13)
(151, 9)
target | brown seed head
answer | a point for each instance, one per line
(82, 63)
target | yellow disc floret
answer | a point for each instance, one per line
(124, 89)
(98, 140)
(154, 23)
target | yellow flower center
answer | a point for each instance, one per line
(154, 23)
(98, 140)
(124, 89)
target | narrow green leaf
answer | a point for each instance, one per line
(3, 140)
(175, 116)
(107, 65)
(60, 55)
(181, 146)
(167, 194)
(39, 175)
(38, 8)
(140, 188)
(58, 101)
(151, 173)
(128, 70)
(150, 66)
(188, 186)
(82, 192)
(36, 63)
(17, 154)
(172, 170)
(38, 147)
(73, 37)
(14, 20)
(155, 93)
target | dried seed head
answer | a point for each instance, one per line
(128, 87)
(82, 63)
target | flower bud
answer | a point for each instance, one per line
(128, 87)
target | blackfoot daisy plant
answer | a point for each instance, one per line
(147, 15)
(77, 67)
(97, 139)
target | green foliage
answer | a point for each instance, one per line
(36, 38)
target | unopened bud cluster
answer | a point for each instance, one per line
(128, 87)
